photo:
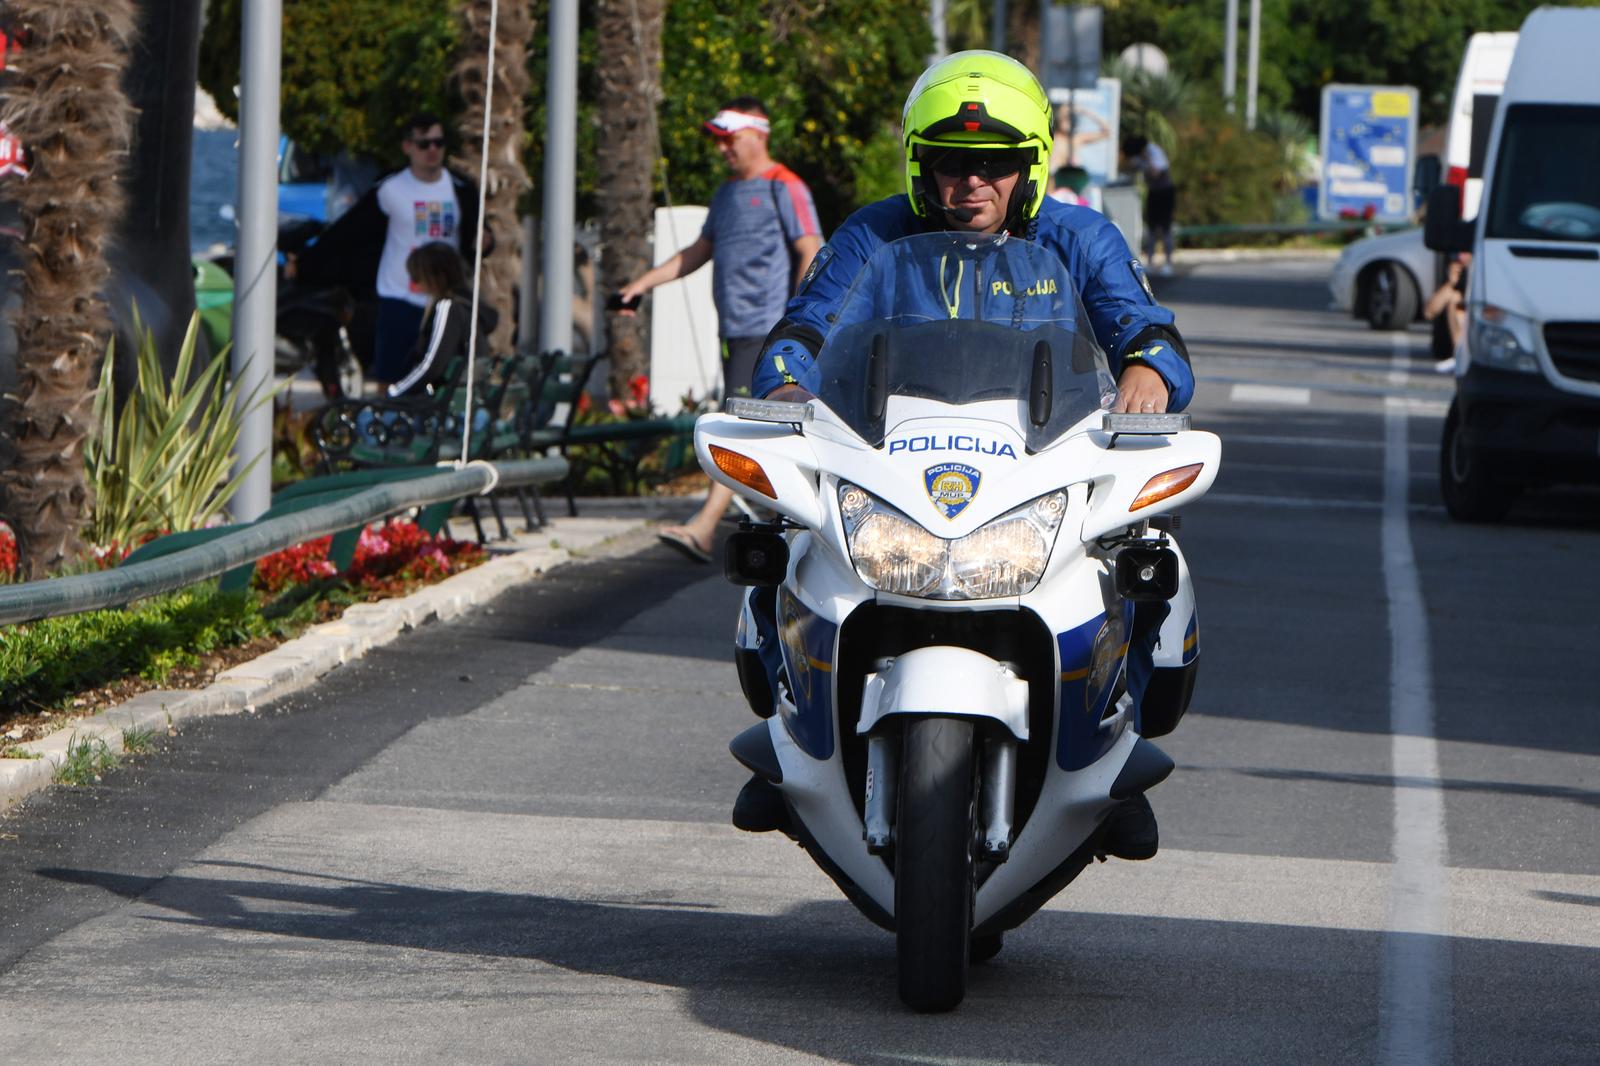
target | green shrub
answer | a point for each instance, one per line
(1225, 173)
(44, 663)
(160, 463)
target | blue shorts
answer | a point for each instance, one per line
(399, 322)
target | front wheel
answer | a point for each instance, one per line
(933, 884)
(1470, 493)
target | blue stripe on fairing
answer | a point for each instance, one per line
(1191, 639)
(1079, 738)
(810, 669)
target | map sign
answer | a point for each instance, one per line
(1369, 136)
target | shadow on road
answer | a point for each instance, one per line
(818, 979)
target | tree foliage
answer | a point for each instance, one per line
(353, 70)
(1306, 44)
(833, 76)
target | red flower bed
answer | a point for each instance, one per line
(8, 552)
(388, 556)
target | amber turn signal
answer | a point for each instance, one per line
(744, 470)
(1163, 485)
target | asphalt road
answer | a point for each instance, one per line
(504, 839)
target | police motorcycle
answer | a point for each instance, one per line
(937, 627)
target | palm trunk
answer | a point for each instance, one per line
(629, 68)
(507, 179)
(63, 99)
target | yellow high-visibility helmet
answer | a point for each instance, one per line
(978, 100)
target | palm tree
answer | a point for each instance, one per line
(629, 68)
(507, 178)
(63, 99)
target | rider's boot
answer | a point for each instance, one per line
(760, 807)
(1130, 830)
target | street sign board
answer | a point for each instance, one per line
(1069, 41)
(1369, 135)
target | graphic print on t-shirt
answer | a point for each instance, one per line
(435, 220)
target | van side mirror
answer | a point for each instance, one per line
(1444, 231)
(1427, 177)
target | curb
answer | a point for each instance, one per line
(298, 663)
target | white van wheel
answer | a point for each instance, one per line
(1470, 495)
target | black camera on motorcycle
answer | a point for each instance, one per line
(1147, 574)
(756, 557)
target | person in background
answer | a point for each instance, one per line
(1068, 185)
(367, 246)
(760, 236)
(437, 272)
(1450, 300)
(1160, 197)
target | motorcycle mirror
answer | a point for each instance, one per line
(1040, 389)
(877, 378)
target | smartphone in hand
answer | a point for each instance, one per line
(615, 302)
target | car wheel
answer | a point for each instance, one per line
(1391, 297)
(1470, 493)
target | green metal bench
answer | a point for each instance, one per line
(617, 447)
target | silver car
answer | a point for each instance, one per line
(1385, 279)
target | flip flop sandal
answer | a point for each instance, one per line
(684, 543)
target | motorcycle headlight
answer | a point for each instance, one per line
(1005, 557)
(1503, 340)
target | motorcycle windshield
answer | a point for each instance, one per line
(964, 318)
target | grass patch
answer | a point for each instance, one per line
(137, 741)
(11, 751)
(88, 759)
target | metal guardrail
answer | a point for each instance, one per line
(34, 600)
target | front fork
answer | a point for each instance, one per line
(996, 794)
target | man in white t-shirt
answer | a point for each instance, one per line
(368, 245)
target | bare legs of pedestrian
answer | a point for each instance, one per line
(696, 537)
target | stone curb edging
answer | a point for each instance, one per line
(297, 663)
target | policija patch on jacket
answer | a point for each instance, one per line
(1139, 276)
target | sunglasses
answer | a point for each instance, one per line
(987, 165)
(429, 142)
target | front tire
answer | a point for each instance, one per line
(1391, 297)
(1470, 494)
(934, 841)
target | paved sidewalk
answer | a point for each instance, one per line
(298, 663)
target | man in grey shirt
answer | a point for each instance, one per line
(760, 234)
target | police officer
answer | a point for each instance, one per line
(977, 141)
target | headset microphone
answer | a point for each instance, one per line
(962, 215)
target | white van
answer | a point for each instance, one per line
(1527, 404)
(1478, 86)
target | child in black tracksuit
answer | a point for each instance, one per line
(437, 270)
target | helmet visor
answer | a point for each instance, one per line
(986, 163)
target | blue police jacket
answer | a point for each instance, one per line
(1127, 321)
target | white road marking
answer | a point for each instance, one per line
(1309, 442)
(1311, 503)
(1414, 996)
(1418, 406)
(1291, 395)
